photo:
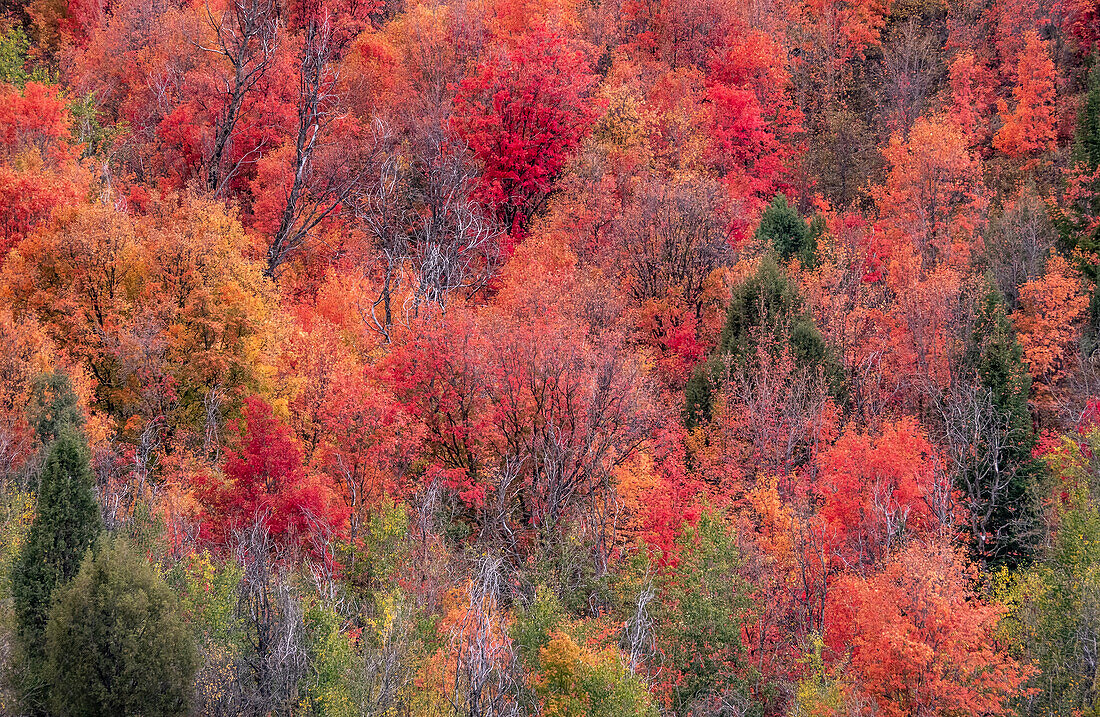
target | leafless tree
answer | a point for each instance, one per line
(133, 484)
(381, 209)
(572, 436)
(17, 456)
(320, 560)
(786, 402)
(912, 69)
(246, 35)
(384, 677)
(275, 659)
(427, 231)
(325, 173)
(727, 703)
(485, 665)
(431, 566)
(979, 441)
(259, 676)
(454, 245)
(498, 530)
(673, 236)
(1018, 239)
(639, 639)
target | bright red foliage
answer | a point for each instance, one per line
(880, 490)
(523, 112)
(267, 483)
(920, 643)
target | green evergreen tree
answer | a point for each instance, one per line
(783, 229)
(115, 643)
(765, 308)
(53, 406)
(768, 302)
(65, 527)
(1000, 475)
(699, 392)
(1086, 140)
(1074, 222)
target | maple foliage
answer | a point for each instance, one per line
(40, 169)
(920, 643)
(267, 483)
(1030, 128)
(517, 357)
(879, 491)
(158, 335)
(1051, 309)
(523, 113)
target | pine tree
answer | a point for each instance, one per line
(53, 406)
(783, 229)
(115, 643)
(999, 478)
(699, 392)
(1079, 225)
(768, 302)
(1078, 220)
(765, 309)
(1086, 140)
(65, 526)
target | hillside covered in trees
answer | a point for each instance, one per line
(503, 358)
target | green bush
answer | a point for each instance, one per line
(115, 643)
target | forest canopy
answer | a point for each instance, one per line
(502, 358)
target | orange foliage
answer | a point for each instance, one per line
(1029, 129)
(919, 641)
(878, 490)
(1049, 324)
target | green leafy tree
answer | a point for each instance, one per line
(568, 680)
(1054, 605)
(821, 691)
(115, 643)
(329, 688)
(705, 602)
(65, 526)
(15, 47)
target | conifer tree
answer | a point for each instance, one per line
(998, 479)
(1079, 223)
(65, 527)
(765, 309)
(115, 643)
(783, 229)
(1086, 140)
(1078, 217)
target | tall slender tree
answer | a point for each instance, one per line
(65, 527)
